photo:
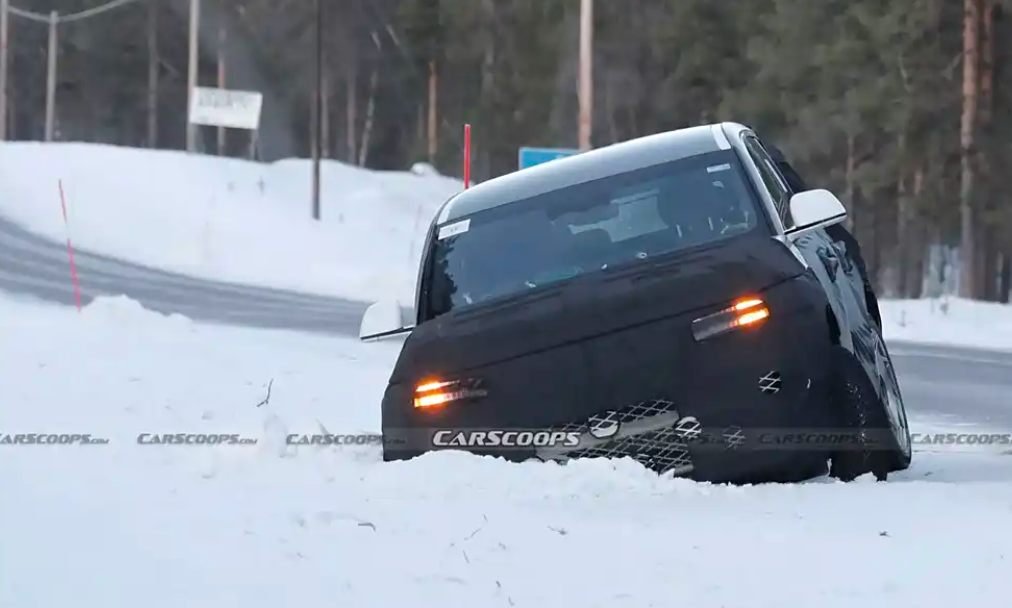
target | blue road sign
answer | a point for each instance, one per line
(536, 156)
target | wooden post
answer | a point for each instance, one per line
(221, 85)
(432, 122)
(351, 114)
(467, 156)
(154, 67)
(4, 30)
(325, 116)
(586, 86)
(192, 73)
(967, 131)
(51, 76)
(253, 144)
(317, 109)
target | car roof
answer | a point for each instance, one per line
(580, 168)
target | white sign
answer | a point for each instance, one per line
(449, 230)
(225, 108)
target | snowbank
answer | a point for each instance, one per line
(229, 219)
(948, 321)
(267, 526)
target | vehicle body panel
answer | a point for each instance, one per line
(569, 353)
(591, 313)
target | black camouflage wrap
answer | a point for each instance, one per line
(564, 355)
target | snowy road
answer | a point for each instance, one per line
(33, 265)
(956, 384)
(961, 385)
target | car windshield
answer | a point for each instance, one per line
(586, 228)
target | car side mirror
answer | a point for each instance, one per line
(384, 318)
(814, 209)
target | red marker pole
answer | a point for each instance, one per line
(70, 247)
(467, 156)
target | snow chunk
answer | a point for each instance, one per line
(424, 169)
(124, 310)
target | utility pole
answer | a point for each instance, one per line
(967, 131)
(318, 110)
(154, 67)
(432, 124)
(586, 86)
(54, 19)
(4, 28)
(221, 85)
(191, 84)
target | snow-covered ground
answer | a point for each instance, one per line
(272, 525)
(250, 222)
(228, 219)
(949, 321)
(265, 526)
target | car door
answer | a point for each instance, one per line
(843, 240)
(832, 263)
(821, 252)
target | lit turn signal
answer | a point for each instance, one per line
(747, 304)
(435, 385)
(431, 393)
(748, 311)
(434, 393)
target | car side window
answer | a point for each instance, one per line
(775, 183)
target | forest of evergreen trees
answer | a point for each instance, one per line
(901, 107)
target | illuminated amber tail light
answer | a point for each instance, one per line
(435, 393)
(743, 313)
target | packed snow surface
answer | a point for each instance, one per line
(267, 525)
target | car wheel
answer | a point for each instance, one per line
(875, 443)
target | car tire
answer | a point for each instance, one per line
(903, 455)
(873, 445)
